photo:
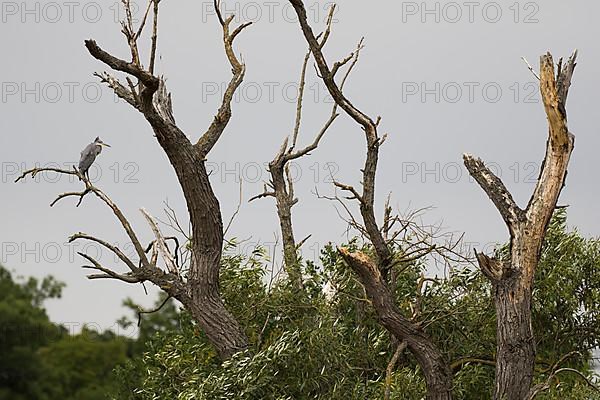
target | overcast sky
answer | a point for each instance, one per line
(446, 78)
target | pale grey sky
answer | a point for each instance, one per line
(446, 78)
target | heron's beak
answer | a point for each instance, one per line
(105, 144)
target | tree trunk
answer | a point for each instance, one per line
(285, 201)
(435, 368)
(200, 293)
(515, 344)
(512, 279)
(206, 306)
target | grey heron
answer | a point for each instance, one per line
(89, 154)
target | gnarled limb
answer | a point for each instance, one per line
(281, 186)
(126, 260)
(430, 359)
(496, 191)
(147, 270)
(108, 273)
(220, 121)
(513, 279)
(372, 274)
(369, 126)
(200, 292)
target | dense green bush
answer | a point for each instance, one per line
(317, 344)
(322, 342)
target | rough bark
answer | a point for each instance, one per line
(373, 141)
(513, 279)
(200, 293)
(284, 195)
(372, 273)
(431, 360)
(281, 186)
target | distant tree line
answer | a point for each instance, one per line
(313, 344)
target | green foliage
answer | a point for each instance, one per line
(459, 315)
(327, 344)
(322, 342)
(40, 360)
(301, 346)
(80, 366)
(567, 294)
(24, 328)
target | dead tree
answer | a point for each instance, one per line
(281, 186)
(371, 272)
(199, 291)
(512, 279)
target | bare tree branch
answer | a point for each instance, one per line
(390, 369)
(157, 309)
(143, 23)
(126, 260)
(89, 188)
(554, 371)
(530, 68)
(220, 121)
(149, 80)
(161, 244)
(200, 293)
(129, 278)
(154, 37)
(236, 212)
(513, 278)
(458, 364)
(496, 191)
(266, 193)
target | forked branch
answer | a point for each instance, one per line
(373, 274)
(149, 95)
(89, 188)
(513, 278)
(281, 185)
(369, 126)
(238, 69)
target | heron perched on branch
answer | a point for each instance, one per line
(89, 154)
